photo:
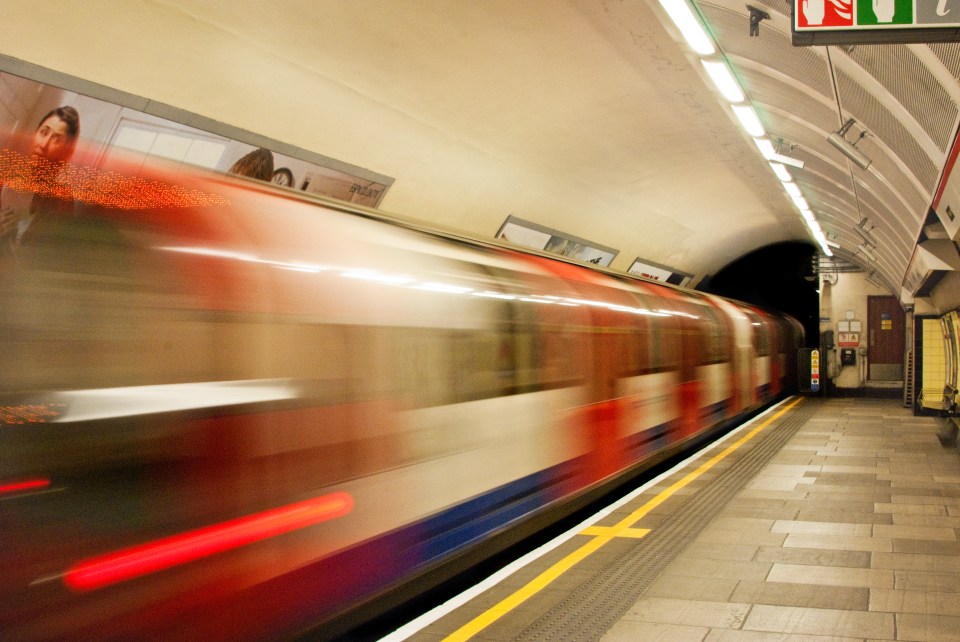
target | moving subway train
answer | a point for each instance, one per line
(232, 412)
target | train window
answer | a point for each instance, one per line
(635, 359)
(420, 366)
(718, 339)
(761, 334)
(665, 348)
(483, 365)
(559, 365)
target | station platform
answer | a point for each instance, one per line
(821, 519)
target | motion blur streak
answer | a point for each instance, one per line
(94, 186)
(110, 403)
(22, 485)
(182, 351)
(130, 563)
(29, 413)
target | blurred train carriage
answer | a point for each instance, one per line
(228, 411)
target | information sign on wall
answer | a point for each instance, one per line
(818, 22)
(848, 339)
(815, 371)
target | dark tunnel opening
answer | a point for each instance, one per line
(782, 276)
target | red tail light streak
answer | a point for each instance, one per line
(126, 564)
(23, 485)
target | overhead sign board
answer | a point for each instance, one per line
(825, 22)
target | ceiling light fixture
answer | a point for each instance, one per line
(688, 20)
(865, 249)
(723, 79)
(850, 149)
(781, 172)
(864, 228)
(874, 279)
(766, 148)
(748, 118)
(689, 26)
(787, 160)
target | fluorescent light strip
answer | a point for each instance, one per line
(781, 172)
(748, 118)
(695, 35)
(786, 160)
(765, 147)
(691, 29)
(720, 75)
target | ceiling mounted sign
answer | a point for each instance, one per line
(825, 22)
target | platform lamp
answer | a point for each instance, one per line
(863, 229)
(850, 149)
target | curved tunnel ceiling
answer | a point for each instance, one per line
(903, 99)
(592, 117)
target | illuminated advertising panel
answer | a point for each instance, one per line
(527, 234)
(114, 129)
(661, 273)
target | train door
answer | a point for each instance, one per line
(775, 349)
(717, 369)
(741, 355)
(684, 321)
(603, 317)
(885, 343)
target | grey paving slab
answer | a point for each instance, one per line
(926, 581)
(803, 595)
(924, 602)
(843, 515)
(721, 635)
(631, 631)
(789, 619)
(927, 547)
(916, 562)
(831, 575)
(729, 615)
(928, 628)
(814, 557)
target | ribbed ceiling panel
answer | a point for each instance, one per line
(873, 115)
(911, 83)
(949, 55)
(773, 49)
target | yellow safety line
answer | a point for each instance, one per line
(600, 536)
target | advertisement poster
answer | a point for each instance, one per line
(526, 234)
(114, 129)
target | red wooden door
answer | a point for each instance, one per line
(885, 338)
